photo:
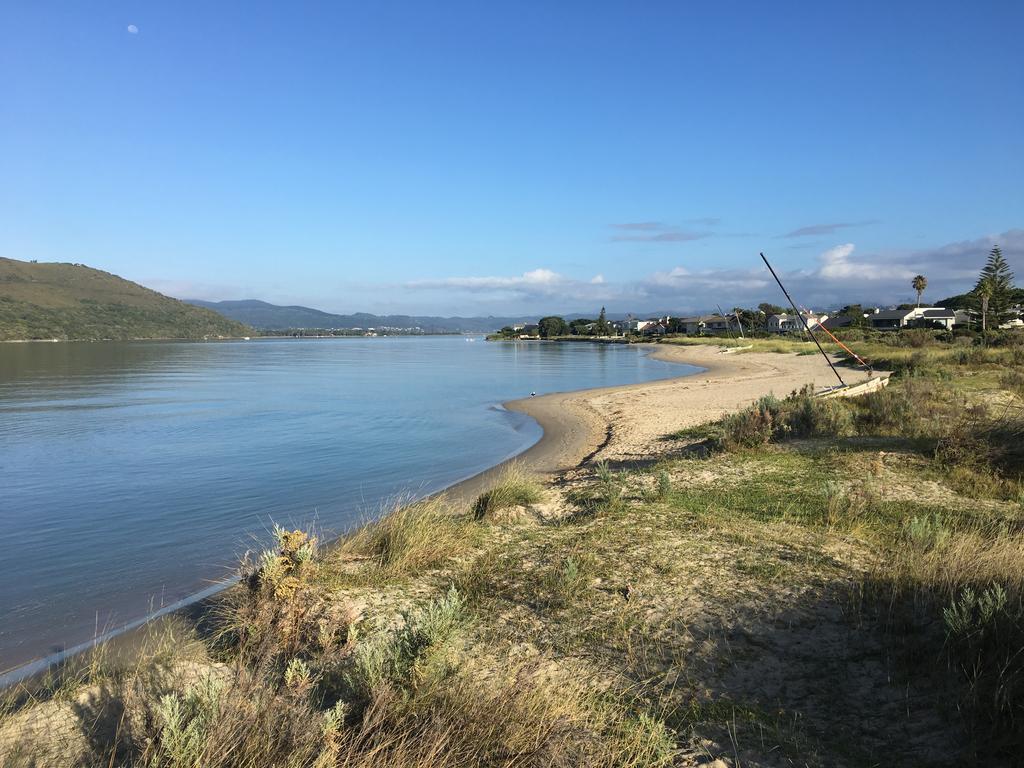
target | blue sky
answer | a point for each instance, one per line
(469, 157)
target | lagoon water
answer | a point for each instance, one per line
(133, 475)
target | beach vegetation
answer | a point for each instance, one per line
(514, 488)
(408, 539)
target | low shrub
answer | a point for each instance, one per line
(752, 427)
(387, 661)
(809, 416)
(886, 410)
(282, 608)
(801, 415)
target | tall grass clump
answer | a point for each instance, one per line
(410, 539)
(1013, 381)
(661, 489)
(609, 489)
(514, 489)
(982, 455)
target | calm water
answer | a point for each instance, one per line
(132, 475)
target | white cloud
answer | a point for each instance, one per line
(528, 281)
(132, 29)
(836, 265)
(837, 277)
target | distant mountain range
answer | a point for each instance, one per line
(272, 317)
(56, 300)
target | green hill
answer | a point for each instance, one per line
(72, 301)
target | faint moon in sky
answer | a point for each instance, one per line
(132, 29)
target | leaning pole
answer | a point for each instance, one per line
(803, 320)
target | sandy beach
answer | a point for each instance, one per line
(623, 424)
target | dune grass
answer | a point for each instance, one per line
(514, 488)
(409, 539)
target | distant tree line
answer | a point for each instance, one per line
(992, 299)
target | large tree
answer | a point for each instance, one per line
(578, 327)
(994, 288)
(603, 327)
(551, 326)
(919, 283)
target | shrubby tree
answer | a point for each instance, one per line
(578, 327)
(856, 314)
(676, 325)
(551, 326)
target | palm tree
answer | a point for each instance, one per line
(919, 283)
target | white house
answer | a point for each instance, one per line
(786, 323)
(894, 319)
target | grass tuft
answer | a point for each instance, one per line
(514, 489)
(410, 539)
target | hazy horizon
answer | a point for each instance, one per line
(511, 160)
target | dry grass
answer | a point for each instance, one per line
(781, 345)
(531, 718)
(515, 488)
(410, 539)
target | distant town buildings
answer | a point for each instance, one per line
(750, 321)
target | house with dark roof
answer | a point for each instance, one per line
(890, 319)
(918, 317)
(837, 322)
(937, 315)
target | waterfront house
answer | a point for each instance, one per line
(699, 324)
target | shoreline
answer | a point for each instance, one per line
(621, 423)
(577, 426)
(571, 430)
